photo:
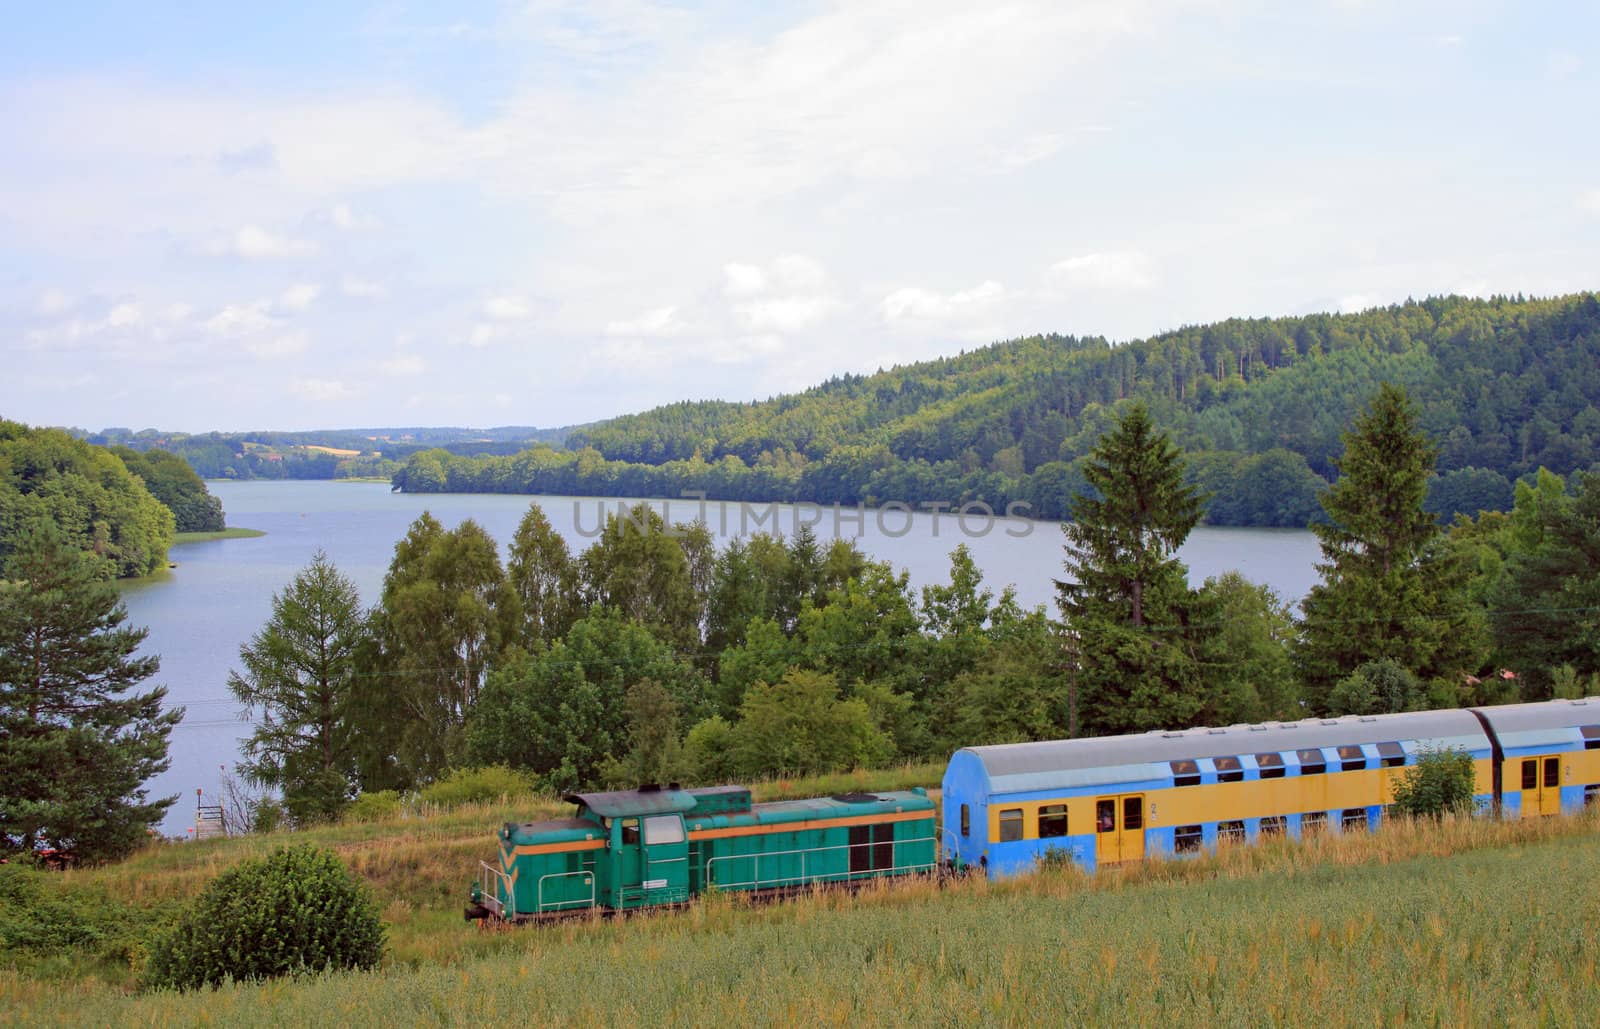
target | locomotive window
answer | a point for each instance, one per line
(1010, 824)
(1229, 769)
(663, 829)
(1273, 825)
(1132, 813)
(1351, 759)
(1312, 823)
(1552, 772)
(1530, 774)
(1271, 765)
(1187, 837)
(630, 832)
(966, 820)
(1591, 737)
(1391, 754)
(1354, 820)
(1312, 762)
(1230, 832)
(1185, 773)
(1052, 821)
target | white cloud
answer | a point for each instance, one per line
(52, 302)
(403, 364)
(364, 288)
(1589, 202)
(346, 220)
(1562, 64)
(1356, 302)
(299, 296)
(252, 242)
(124, 315)
(1035, 148)
(912, 305)
(787, 314)
(240, 320)
(508, 308)
(288, 345)
(663, 321)
(320, 389)
(482, 335)
(1117, 269)
(178, 312)
(742, 280)
(798, 274)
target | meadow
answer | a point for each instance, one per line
(1468, 921)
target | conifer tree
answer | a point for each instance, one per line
(76, 747)
(1133, 623)
(1392, 589)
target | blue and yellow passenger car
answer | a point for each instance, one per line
(1107, 800)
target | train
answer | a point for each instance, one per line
(1005, 809)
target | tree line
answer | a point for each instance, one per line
(1505, 386)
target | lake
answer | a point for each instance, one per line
(220, 594)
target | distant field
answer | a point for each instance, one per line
(224, 534)
(336, 451)
(1466, 923)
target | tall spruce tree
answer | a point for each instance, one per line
(300, 673)
(1392, 589)
(1134, 625)
(76, 747)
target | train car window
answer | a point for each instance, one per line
(1530, 774)
(1271, 765)
(1229, 769)
(1187, 837)
(1312, 762)
(1591, 737)
(1230, 832)
(630, 832)
(1052, 821)
(1312, 823)
(1591, 795)
(966, 820)
(1354, 820)
(1392, 755)
(1105, 816)
(662, 829)
(1351, 759)
(1274, 825)
(1552, 772)
(1132, 813)
(1010, 824)
(1185, 773)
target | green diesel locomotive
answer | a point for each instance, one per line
(660, 846)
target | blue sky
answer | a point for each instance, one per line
(547, 213)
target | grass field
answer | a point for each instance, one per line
(1466, 922)
(223, 534)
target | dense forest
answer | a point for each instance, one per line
(117, 503)
(1504, 386)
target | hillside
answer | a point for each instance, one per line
(1426, 922)
(1504, 386)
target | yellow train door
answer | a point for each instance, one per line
(1119, 828)
(1550, 787)
(1530, 787)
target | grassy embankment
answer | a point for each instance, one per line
(1467, 922)
(221, 534)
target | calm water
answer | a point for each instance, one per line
(221, 592)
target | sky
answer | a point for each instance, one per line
(235, 217)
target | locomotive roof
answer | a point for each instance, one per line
(1027, 759)
(626, 803)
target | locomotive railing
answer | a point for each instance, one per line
(492, 883)
(809, 854)
(565, 905)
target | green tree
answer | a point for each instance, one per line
(1441, 782)
(1134, 627)
(545, 578)
(638, 567)
(800, 726)
(171, 480)
(1392, 589)
(1250, 674)
(299, 678)
(76, 746)
(655, 752)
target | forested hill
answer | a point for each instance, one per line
(1503, 386)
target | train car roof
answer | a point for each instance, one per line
(1547, 714)
(1018, 767)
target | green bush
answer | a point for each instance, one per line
(1440, 781)
(491, 784)
(373, 807)
(296, 910)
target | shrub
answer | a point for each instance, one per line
(1440, 781)
(490, 784)
(296, 910)
(373, 807)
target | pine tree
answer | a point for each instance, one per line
(1392, 588)
(1133, 624)
(75, 746)
(300, 673)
